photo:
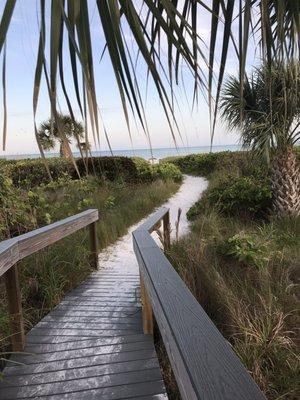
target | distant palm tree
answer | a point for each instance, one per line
(267, 112)
(60, 130)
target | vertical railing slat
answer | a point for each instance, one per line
(94, 245)
(14, 301)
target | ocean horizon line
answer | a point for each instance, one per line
(157, 152)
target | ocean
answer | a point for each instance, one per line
(158, 153)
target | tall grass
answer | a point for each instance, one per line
(46, 276)
(244, 274)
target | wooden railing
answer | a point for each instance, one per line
(15, 249)
(203, 362)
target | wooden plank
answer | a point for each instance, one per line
(53, 347)
(204, 364)
(79, 373)
(125, 309)
(91, 319)
(167, 231)
(58, 324)
(103, 303)
(147, 313)
(14, 250)
(71, 354)
(81, 332)
(13, 295)
(93, 245)
(133, 391)
(82, 362)
(153, 219)
(9, 255)
(90, 346)
(81, 384)
(107, 295)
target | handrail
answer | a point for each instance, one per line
(204, 364)
(15, 249)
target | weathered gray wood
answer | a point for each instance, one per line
(133, 391)
(79, 373)
(90, 346)
(30, 359)
(86, 383)
(204, 364)
(53, 318)
(64, 365)
(14, 250)
(86, 343)
(14, 302)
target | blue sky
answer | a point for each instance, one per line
(22, 44)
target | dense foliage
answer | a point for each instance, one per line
(28, 198)
(267, 115)
(242, 267)
(244, 196)
(204, 164)
(30, 173)
(118, 190)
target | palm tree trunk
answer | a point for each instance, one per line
(285, 180)
(65, 150)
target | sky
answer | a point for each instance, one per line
(22, 43)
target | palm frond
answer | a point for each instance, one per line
(270, 105)
(275, 24)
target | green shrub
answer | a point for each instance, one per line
(27, 174)
(108, 168)
(30, 173)
(236, 196)
(15, 213)
(198, 164)
(195, 210)
(234, 162)
(166, 171)
(243, 196)
(144, 169)
(247, 249)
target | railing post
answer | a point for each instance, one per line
(166, 227)
(147, 312)
(14, 301)
(94, 245)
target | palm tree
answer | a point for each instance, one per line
(62, 130)
(274, 26)
(267, 112)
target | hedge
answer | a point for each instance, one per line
(27, 174)
(204, 164)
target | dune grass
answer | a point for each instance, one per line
(244, 274)
(46, 276)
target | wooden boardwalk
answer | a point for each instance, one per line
(91, 346)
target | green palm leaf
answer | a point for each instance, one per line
(275, 24)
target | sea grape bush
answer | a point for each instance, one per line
(247, 249)
(164, 171)
(199, 164)
(239, 163)
(28, 198)
(27, 174)
(245, 196)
